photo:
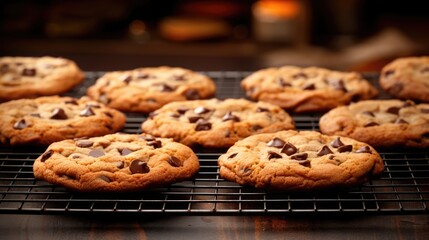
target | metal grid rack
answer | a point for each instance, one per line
(402, 189)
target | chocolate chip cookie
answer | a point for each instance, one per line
(44, 120)
(407, 78)
(309, 89)
(380, 123)
(296, 161)
(28, 77)
(215, 123)
(115, 163)
(147, 89)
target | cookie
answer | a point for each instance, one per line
(299, 161)
(309, 89)
(407, 78)
(215, 123)
(115, 163)
(380, 123)
(147, 89)
(44, 120)
(28, 77)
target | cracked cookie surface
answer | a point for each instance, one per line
(28, 77)
(309, 89)
(116, 163)
(216, 123)
(380, 123)
(147, 89)
(44, 120)
(407, 78)
(297, 161)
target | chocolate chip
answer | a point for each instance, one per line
(364, 149)
(192, 94)
(345, 148)
(142, 75)
(71, 101)
(388, 73)
(29, 72)
(371, 124)
(139, 166)
(125, 151)
(408, 103)
(396, 88)
(203, 125)
(148, 137)
(104, 178)
(355, 98)
(337, 143)
(120, 164)
(310, 86)
(400, 121)
(194, 119)
(299, 156)
(424, 70)
(86, 112)
(299, 75)
(272, 155)
(261, 109)
(230, 116)
(126, 79)
(174, 161)
(339, 85)
(46, 155)
(84, 143)
(59, 113)
(289, 149)
(255, 128)
(393, 110)
(282, 82)
(154, 143)
(233, 155)
(325, 150)
(181, 110)
(276, 142)
(201, 110)
(245, 171)
(178, 77)
(167, 88)
(21, 124)
(37, 115)
(96, 153)
(369, 113)
(424, 110)
(174, 115)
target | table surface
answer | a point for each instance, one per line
(144, 226)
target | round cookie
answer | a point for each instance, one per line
(299, 161)
(28, 77)
(380, 123)
(407, 78)
(309, 89)
(216, 123)
(147, 89)
(115, 163)
(44, 120)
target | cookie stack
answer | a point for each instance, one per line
(257, 138)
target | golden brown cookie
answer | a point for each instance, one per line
(216, 123)
(380, 123)
(407, 78)
(299, 161)
(309, 89)
(116, 163)
(28, 77)
(44, 120)
(147, 89)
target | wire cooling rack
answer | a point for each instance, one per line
(402, 189)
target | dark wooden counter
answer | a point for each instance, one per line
(47, 227)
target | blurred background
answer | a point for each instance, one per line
(360, 35)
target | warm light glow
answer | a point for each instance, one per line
(276, 9)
